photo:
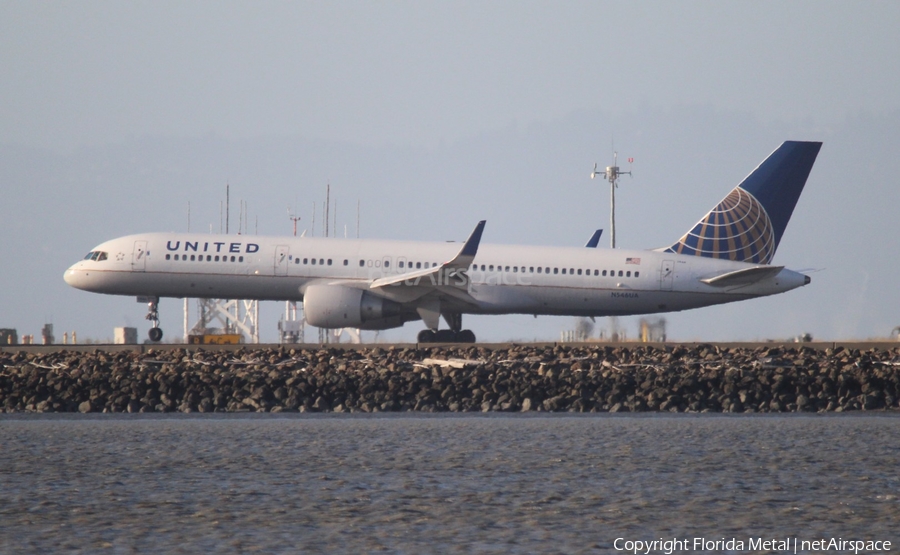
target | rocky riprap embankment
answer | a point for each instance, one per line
(560, 378)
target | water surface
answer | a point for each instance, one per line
(439, 484)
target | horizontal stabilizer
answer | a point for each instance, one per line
(743, 277)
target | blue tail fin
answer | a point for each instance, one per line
(748, 224)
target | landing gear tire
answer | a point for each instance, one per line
(426, 336)
(465, 336)
(155, 334)
(446, 336)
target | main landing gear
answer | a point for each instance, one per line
(454, 335)
(446, 336)
(156, 332)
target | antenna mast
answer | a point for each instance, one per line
(294, 219)
(612, 174)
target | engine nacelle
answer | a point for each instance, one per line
(336, 306)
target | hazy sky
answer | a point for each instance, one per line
(114, 115)
(408, 73)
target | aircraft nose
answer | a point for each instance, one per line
(75, 277)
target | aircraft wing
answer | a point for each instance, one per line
(743, 277)
(449, 275)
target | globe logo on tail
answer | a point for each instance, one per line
(738, 228)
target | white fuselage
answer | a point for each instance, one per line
(503, 279)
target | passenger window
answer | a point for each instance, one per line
(176, 257)
(539, 269)
(620, 273)
(401, 263)
(515, 269)
(482, 267)
(555, 270)
(208, 258)
(329, 262)
(168, 257)
(628, 273)
(418, 265)
(321, 261)
(216, 259)
(531, 269)
(579, 271)
(491, 267)
(637, 274)
(362, 263)
(314, 261)
(507, 268)
(387, 263)
(346, 262)
(240, 259)
(564, 271)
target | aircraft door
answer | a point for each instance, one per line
(667, 275)
(139, 256)
(281, 260)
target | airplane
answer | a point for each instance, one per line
(380, 284)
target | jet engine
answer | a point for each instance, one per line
(336, 306)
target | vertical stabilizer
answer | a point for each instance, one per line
(748, 224)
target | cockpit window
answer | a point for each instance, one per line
(96, 256)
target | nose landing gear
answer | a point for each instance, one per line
(155, 332)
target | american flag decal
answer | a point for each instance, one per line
(632, 261)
